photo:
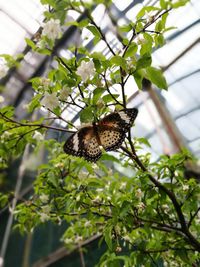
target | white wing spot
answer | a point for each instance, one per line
(75, 142)
(124, 116)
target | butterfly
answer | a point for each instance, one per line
(108, 133)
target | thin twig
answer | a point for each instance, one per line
(35, 124)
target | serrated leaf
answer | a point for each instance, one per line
(156, 76)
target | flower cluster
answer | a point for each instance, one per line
(50, 101)
(86, 70)
(52, 29)
(3, 70)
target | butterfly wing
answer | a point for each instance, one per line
(112, 129)
(110, 132)
(111, 139)
(122, 120)
(83, 144)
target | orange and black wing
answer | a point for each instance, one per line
(112, 129)
(83, 144)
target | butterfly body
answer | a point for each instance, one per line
(108, 133)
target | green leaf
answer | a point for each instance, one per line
(144, 61)
(94, 31)
(164, 4)
(119, 61)
(146, 47)
(159, 40)
(132, 50)
(97, 94)
(179, 3)
(108, 237)
(110, 158)
(35, 102)
(126, 28)
(98, 55)
(83, 23)
(138, 76)
(145, 9)
(183, 255)
(86, 115)
(3, 200)
(30, 43)
(144, 141)
(156, 76)
(108, 98)
(8, 111)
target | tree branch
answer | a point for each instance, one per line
(18, 124)
(184, 228)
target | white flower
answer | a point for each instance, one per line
(44, 217)
(44, 198)
(3, 70)
(38, 136)
(64, 93)
(2, 99)
(107, 186)
(50, 101)
(138, 193)
(123, 185)
(148, 17)
(185, 187)
(99, 190)
(85, 70)
(5, 135)
(68, 241)
(141, 206)
(96, 199)
(52, 29)
(46, 209)
(78, 239)
(83, 174)
(127, 238)
(95, 167)
(140, 40)
(165, 207)
(41, 44)
(59, 165)
(78, 198)
(108, 198)
(110, 172)
(87, 224)
(45, 82)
